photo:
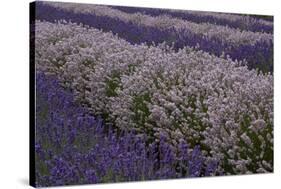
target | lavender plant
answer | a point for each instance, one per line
(218, 105)
(74, 147)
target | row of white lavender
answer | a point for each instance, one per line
(224, 33)
(188, 94)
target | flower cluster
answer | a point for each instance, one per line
(188, 95)
(74, 147)
(254, 47)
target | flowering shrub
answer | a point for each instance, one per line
(204, 100)
(74, 147)
(188, 95)
(255, 47)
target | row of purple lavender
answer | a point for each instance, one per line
(74, 147)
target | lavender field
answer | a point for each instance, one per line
(134, 94)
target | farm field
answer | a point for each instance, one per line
(134, 94)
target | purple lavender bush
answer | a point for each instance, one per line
(74, 147)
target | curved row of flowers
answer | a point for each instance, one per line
(187, 95)
(74, 147)
(212, 31)
(224, 19)
(258, 55)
